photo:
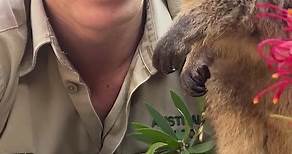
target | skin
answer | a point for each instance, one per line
(215, 41)
(87, 31)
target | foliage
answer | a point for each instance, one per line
(165, 140)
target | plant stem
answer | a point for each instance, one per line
(277, 116)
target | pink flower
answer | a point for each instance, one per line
(278, 55)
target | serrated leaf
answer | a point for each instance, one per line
(202, 148)
(155, 147)
(178, 102)
(159, 136)
(161, 122)
(137, 125)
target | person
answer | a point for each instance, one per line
(75, 74)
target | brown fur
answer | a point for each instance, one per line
(223, 35)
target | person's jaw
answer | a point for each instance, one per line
(95, 14)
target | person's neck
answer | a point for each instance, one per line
(99, 37)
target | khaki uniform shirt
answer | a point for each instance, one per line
(45, 107)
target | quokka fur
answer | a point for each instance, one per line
(217, 39)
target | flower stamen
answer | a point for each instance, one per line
(277, 53)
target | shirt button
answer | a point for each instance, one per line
(72, 87)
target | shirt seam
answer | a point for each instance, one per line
(143, 61)
(11, 28)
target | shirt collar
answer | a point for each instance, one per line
(158, 21)
(39, 35)
(40, 25)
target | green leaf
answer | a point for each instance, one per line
(161, 122)
(137, 125)
(159, 136)
(141, 137)
(185, 152)
(187, 134)
(154, 147)
(163, 150)
(182, 108)
(178, 102)
(200, 102)
(202, 148)
(179, 135)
